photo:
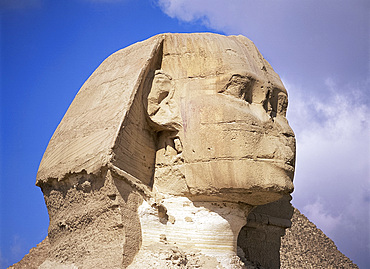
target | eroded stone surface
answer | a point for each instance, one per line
(303, 246)
(210, 228)
(95, 226)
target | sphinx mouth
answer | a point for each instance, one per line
(273, 160)
(284, 164)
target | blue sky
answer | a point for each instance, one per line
(319, 48)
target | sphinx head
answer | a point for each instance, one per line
(194, 122)
(196, 115)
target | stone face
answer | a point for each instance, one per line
(202, 114)
(228, 107)
(171, 142)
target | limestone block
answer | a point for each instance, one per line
(211, 228)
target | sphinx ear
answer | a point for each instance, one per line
(162, 108)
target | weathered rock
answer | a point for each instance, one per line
(172, 140)
(303, 246)
(209, 227)
(164, 255)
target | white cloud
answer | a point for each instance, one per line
(322, 218)
(332, 172)
(183, 10)
(216, 14)
(333, 143)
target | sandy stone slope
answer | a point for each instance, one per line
(303, 246)
(306, 246)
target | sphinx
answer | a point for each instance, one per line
(176, 141)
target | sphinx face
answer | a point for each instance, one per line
(234, 142)
(237, 148)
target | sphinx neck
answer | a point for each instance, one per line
(211, 228)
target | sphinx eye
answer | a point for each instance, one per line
(240, 87)
(276, 102)
(282, 104)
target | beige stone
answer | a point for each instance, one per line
(172, 140)
(211, 228)
(303, 246)
(214, 115)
